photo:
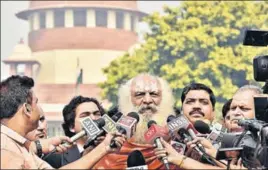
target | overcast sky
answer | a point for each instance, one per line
(12, 28)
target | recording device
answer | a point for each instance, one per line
(153, 135)
(253, 153)
(93, 129)
(180, 122)
(120, 130)
(136, 161)
(256, 38)
(187, 132)
(252, 125)
(129, 123)
(90, 128)
(261, 108)
(110, 127)
(215, 132)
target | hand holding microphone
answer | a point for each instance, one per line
(118, 139)
(208, 147)
(170, 153)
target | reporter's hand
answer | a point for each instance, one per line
(96, 143)
(119, 141)
(172, 155)
(209, 149)
(237, 164)
(55, 142)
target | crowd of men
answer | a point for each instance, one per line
(24, 142)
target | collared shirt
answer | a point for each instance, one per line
(15, 155)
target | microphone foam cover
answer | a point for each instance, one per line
(170, 118)
(150, 123)
(202, 127)
(135, 158)
(100, 122)
(134, 115)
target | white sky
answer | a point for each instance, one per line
(12, 28)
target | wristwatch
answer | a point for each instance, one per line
(39, 151)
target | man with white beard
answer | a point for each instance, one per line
(151, 97)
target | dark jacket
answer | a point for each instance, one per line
(59, 160)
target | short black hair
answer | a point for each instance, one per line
(198, 86)
(226, 107)
(15, 91)
(69, 112)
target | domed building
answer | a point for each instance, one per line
(71, 38)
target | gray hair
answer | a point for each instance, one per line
(253, 88)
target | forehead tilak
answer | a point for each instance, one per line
(150, 85)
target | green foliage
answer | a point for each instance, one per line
(195, 42)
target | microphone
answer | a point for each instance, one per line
(129, 123)
(136, 161)
(110, 126)
(215, 132)
(120, 130)
(175, 124)
(153, 135)
(89, 127)
(185, 130)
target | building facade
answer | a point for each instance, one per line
(67, 37)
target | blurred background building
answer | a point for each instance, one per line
(69, 42)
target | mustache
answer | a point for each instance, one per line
(197, 110)
(143, 108)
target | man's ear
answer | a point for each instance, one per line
(27, 109)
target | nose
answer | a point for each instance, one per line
(41, 126)
(196, 105)
(147, 99)
(236, 113)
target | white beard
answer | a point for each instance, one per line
(142, 128)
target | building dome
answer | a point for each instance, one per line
(20, 54)
(60, 25)
(21, 51)
(38, 5)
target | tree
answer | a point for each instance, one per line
(195, 42)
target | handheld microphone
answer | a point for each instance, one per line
(110, 126)
(90, 128)
(129, 123)
(154, 134)
(185, 129)
(136, 161)
(120, 130)
(175, 124)
(215, 132)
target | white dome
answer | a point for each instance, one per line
(21, 51)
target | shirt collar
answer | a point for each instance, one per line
(80, 148)
(12, 134)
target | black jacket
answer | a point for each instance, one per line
(59, 160)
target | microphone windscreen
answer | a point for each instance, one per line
(170, 118)
(100, 122)
(134, 115)
(114, 110)
(202, 127)
(150, 123)
(135, 158)
(116, 116)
